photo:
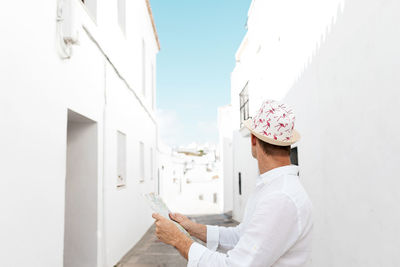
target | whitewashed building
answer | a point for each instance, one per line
(171, 168)
(190, 179)
(337, 63)
(77, 130)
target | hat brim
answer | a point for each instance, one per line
(291, 141)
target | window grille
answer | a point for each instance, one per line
(244, 104)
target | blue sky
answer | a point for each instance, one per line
(198, 43)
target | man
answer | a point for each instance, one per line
(277, 225)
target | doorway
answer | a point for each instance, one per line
(80, 226)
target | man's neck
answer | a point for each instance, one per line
(267, 164)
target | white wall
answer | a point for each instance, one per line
(37, 89)
(244, 163)
(185, 177)
(225, 128)
(346, 102)
(337, 63)
(123, 207)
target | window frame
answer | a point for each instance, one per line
(141, 162)
(151, 163)
(121, 15)
(153, 100)
(144, 66)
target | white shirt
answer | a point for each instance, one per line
(276, 229)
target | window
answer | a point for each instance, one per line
(144, 67)
(122, 15)
(153, 101)
(151, 164)
(294, 159)
(121, 159)
(91, 7)
(244, 104)
(141, 162)
(158, 181)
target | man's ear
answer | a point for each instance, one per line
(253, 140)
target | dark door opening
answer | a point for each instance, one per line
(80, 227)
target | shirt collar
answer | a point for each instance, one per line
(268, 176)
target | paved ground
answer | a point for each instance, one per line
(149, 252)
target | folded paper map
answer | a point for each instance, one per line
(158, 206)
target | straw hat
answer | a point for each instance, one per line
(274, 124)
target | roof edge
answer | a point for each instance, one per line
(242, 46)
(153, 24)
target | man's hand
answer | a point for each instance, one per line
(168, 233)
(183, 221)
(166, 230)
(194, 229)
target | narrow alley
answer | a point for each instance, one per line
(281, 116)
(149, 252)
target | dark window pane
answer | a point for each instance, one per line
(293, 156)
